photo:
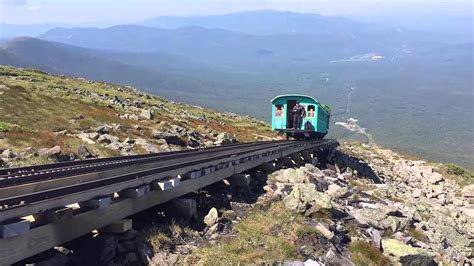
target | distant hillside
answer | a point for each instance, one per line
(265, 22)
(93, 64)
(233, 49)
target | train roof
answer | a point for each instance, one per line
(325, 107)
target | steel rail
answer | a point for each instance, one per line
(25, 170)
(55, 173)
(78, 177)
(37, 202)
(137, 174)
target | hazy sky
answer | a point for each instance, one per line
(104, 12)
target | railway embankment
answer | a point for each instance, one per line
(327, 212)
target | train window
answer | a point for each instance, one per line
(279, 110)
(311, 111)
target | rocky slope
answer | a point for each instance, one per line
(46, 118)
(360, 205)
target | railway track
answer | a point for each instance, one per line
(6, 175)
(38, 190)
(24, 175)
(35, 189)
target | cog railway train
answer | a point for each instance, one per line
(314, 122)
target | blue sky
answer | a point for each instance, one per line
(108, 12)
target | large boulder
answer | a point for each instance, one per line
(146, 114)
(307, 194)
(313, 170)
(335, 191)
(84, 153)
(104, 129)
(107, 138)
(293, 204)
(280, 176)
(54, 151)
(468, 191)
(170, 138)
(298, 176)
(211, 218)
(224, 139)
(8, 154)
(405, 254)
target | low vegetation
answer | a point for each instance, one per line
(35, 106)
(462, 175)
(365, 254)
(261, 237)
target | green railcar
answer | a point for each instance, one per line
(315, 122)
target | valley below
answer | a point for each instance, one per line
(415, 97)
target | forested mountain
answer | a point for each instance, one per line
(266, 22)
(93, 64)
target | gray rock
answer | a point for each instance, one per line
(307, 194)
(335, 258)
(104, 129)
(406, 255)
(224, 139)
(212, 217)
(417, 260)
(151, 148)
(416, 193)
(435, 178)
(324, 231)
(106, 138)
(376, 237)
(54, 151)
(113, 146)
(314, 170)
(336, 191)
(8, 154)
(129, 140)
(141, 141)
(170, 138)
(293, 204)
(468, 191)
(312, 210)
(133, 117)
(84, 153)
(147, 114)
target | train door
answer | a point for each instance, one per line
(289, 115)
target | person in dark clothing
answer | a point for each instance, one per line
(294, 116)
(301, 113)
(298, 113)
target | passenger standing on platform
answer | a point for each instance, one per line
(295, 115)
(300, 113)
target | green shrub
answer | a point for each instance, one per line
(454, 169)
(363, 253)
(5, 127)
(460, 174)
